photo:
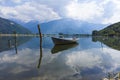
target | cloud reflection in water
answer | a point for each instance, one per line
(65, 65)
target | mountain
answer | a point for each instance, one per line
(67, 26)
(7, 26)
(111, 30)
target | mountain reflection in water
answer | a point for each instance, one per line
(86, 61)
(113, 42)
(9, 42)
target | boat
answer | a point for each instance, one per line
(61, 41)
(59, 48)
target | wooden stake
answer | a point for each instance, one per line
(40, 35)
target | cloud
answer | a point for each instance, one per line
(113, 19)
(114, 10)
(29, 11)
(83, 11)
(105, 12)
(10, 2)
(94, 11)
(17, 1)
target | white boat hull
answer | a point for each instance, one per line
(60, 41)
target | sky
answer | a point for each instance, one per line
(93, 11)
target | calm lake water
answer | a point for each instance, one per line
(90, 59)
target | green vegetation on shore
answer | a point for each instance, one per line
(112, 30)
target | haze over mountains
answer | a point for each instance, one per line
(68, 26)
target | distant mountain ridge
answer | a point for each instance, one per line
(68, 26)
(8, 26)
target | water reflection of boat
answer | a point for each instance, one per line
(59, 41)
(58, 48)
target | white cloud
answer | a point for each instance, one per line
(29, 11)
(113, 19)
(106, 12)
(17, 1)
(115, 11)
(83, 11)
(95, 11)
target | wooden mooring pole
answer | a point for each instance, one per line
(15, 44)
(40, 35)
(9, 43)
